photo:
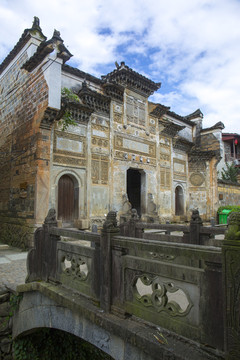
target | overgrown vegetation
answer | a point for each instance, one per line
(52, 344)
(67, 118)
(230, 173)
(233, 208)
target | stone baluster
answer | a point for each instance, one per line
(109, 230)
(42, 259)
(195, 227)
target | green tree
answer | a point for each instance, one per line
(230, 172)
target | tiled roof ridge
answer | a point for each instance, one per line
(75, 71)
(123, 66)
(128, 77)
(26, 35)
(195, 114)
(218, 125)
(166, 110)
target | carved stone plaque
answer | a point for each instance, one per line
(197, 179)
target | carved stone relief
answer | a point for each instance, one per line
(66, 160)
(139, 147)
(135, 110)
(75, 266)
(69, 144)
(165, 177)
(100, 142)
(152, 207)
(197, 179)
(99, 169)
(117, 113)
(162, 296)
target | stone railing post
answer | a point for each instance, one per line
(42, 259)
(231, 284)
(109, 230)
(133, 232)
(195, 227)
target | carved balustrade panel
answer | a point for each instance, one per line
(167, 284)
(77, 268)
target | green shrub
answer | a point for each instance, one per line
(233, 208)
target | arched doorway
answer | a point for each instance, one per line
(179, 201)
(67, 198)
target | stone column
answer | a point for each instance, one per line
(231, 284)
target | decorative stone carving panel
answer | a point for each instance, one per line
(100, 165)
(162, 296)
(197, 179)
(75, 266)
(66, 160)
(165, 177)
(118, 113)
(146, 148)
(135, 111)
(69, 144)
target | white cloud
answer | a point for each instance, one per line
(192, 47)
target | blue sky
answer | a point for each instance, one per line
(191, 47)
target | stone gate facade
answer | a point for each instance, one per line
(125, 151)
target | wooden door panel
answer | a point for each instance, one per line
(65, 198)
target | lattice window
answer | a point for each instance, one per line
(99, 169)
(135, 111)
(165, 177)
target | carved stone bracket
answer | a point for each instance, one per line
(49, 117)
(94, 100)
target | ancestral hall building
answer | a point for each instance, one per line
(125, 151)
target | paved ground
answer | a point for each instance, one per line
(12, 266)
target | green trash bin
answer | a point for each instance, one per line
(223, 216)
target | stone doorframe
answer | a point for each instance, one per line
(78, 183)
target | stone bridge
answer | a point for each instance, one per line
(134, 298)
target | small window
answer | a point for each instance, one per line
(220, 196)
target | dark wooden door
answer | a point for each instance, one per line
(134, 189)
(65, 198)
(179, 208)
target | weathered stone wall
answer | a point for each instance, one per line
(22, 144)
(228, 193)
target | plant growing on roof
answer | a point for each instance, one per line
(67, 118)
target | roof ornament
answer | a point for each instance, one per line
(36, 24)
(56, 35)
(117, 65)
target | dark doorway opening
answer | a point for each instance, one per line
(67, 198)
(179, 203)
(134, 189)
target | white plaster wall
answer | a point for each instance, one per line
(52, 75)
(99, 200)
(186, 133)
